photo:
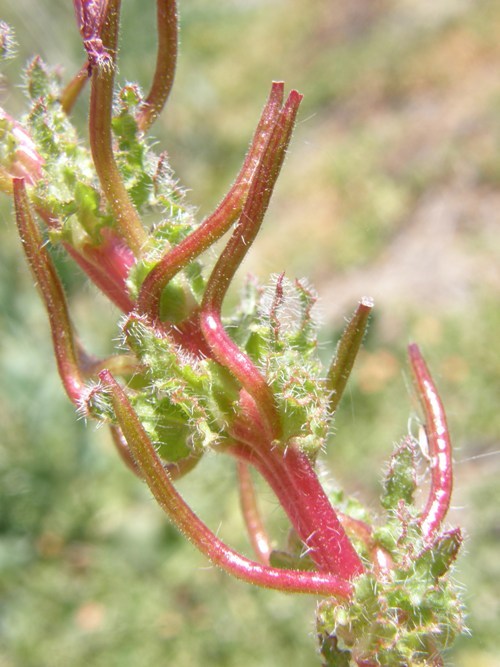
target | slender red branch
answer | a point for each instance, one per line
(101, 141)
(217, 224)
(290, 474)
(439, 446)
(123, 450)
(166, 60)
(195, 530)
(73, 89)
(52, 295)
(225, 351)
(253, 520)
(108, 266)
(255, 207)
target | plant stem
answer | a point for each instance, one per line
(52, 295)
(107, 265)
(195, 530)
(101, 141)
(73, 89)
(217, 224)
(225, 351)
(296, 485)
(166, 60)
(253, 520)
(439, 446)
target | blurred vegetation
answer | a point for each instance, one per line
(391, 188)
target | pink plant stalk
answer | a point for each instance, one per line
(255, 393)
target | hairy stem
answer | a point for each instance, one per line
(253, 520)
(292, 478)
(225, 351)
(101, 140)
(439, 445)
(52, 293)
(217, 224)
(166, 60)
(195, 530)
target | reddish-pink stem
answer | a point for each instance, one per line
(166, 59)
(217, 224)
(439, 446)
(227, 353)
(195, 530)
(108, 266)
(296, 485)
(52, 294)
(73, 89)
(224, 350)
(128, 222)
(253, 520)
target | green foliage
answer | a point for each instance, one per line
(406, 613)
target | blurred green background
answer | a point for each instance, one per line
(391, 189)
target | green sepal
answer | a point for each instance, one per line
(400, 479)
(332, 655)
(294, 556)
(224, 390)
(167, 425)
(87, 203)
(41, 81)
(438, 557)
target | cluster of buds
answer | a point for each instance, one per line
(249, 385)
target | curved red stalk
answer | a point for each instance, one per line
(225, 351)
(108, 266)
(292, 478)
(255, 205)
(123, 450)
(166, 59)
(52, 293)
(439, 446)
(195, 530)
(217, 224)
(73, 89)
(251, 515)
